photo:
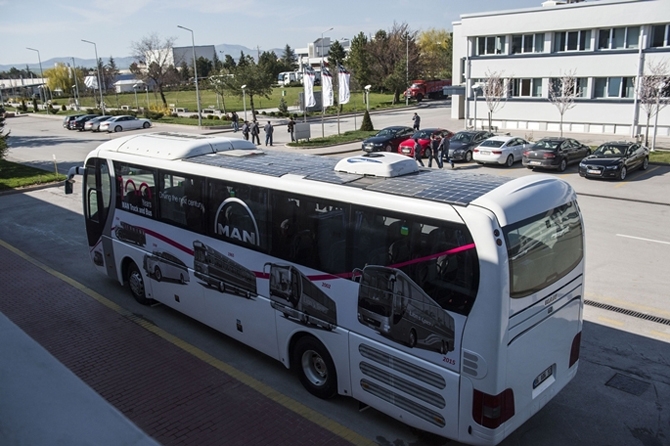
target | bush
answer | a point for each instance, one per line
(63, 107)
(193, 116)
(366, 125)
(283, 108)
(212, 117)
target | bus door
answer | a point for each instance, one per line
(97, 197)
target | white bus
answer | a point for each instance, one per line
(495, 264)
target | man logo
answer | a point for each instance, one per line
(235, 220)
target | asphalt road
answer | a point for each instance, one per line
(621, 393)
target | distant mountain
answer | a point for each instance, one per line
(123, 63)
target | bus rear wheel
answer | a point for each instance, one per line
(315, 368)
(136, 284)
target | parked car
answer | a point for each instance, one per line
(554, 153)
(407, 146)
(463, 142)
(78, 124)
(504, 150)
(615, 160)
(124, 122)
(388, 139)
(68, 118)
(94, 124)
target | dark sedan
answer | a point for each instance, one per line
(462, 143)
(615, 160)
(554, 153)
(78, 123)
(70, 118)
(388, 139)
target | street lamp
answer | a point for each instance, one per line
(244, 100)
(39, 59)
(323, 102)
(97, 66)
(476, 89)
(367, 96)
(76, 85)
(195, 74)
(407, 69)
(137, 105)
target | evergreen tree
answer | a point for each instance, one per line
(289, 60)
(366, 125)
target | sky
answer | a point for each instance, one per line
(56, 27)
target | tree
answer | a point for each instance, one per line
(494, 92)
(110, 72)
(257, 81)
(59, 78)
(229, 63)
(216, 62)
(562, 93)
(155, 55)
(184, 71)
(435, 50)
(268, 62)
(3, 136)
(654, 92)
(216, 82)
(204, 66)
(358, 60)
(336, 54)
(289, 60)
(366, 125)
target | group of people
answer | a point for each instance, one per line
(253, 129)
(436, 150)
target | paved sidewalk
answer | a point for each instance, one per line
(174, 394)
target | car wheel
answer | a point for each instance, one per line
(388, 148)
(136, 284)
(468, 156)
(622, 173)
(117, 128)
(509, 161)
(158, 274)
(146, 125)
(645, 163)
(563, 165)
(314, 367)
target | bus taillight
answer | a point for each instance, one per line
(574, 350)
(492, 410)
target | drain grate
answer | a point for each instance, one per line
(628, 384)
(637, 314)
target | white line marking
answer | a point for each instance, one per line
(643, 239)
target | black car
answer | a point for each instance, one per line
(462, 143)
(68, 119)
(388, 139)
(78, 123)
(554, 153)
(615, 160)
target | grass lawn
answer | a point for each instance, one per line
(14, 176)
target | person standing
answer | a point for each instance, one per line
(236, 122)
(444, 150)
(254, 133)
(434, 152)
(245, 130)
(417, 151)
(269, 130)
(291, 128)
(416, 119)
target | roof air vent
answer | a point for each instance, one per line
(379, 164)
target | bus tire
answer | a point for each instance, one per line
(412, 338)
(158, 275)
(222, 287)
(136, 284)
(315, 368)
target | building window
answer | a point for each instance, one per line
(572, 41)
(618, 38)
(527, 87)
(490, 45)
(578, 87)
(614, 87)
(659, 36)
(527, 43)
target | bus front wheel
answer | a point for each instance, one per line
(136, 284)
(315, 368)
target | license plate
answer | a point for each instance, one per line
(534, 163)
(542, 377)
(485, 152)
(596, 172)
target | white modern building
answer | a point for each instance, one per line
(317, 51)
(606, 44)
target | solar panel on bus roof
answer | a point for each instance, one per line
(435, 185)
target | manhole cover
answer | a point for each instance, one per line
(627, 384)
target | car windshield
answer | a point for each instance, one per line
(609, 151)
(462, 137)
(387, 132)
(422, 134)
(492, 143)
(547, 144)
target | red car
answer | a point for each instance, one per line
(407, 147)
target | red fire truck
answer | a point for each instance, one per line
(421, 89)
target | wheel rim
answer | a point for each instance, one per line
(117, 128)
(510, 161)
(136, 283)
(645, 164)
(389, 148)
(157, 274)
(468, 156)
(314, 368)
(564, 165)
(622, 175)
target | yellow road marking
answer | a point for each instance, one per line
(264, 389)
(611, 322)
(647, 172)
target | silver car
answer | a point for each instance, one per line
(124, 122)
(94, 124)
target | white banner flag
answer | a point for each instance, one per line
(326, 87)
(308, 82)
(343, 83)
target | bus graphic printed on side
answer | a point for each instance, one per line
(219, 271)
(394, 305)
(299, 298)
(130, 234)
(162, 265)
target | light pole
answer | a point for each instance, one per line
(407, 69)
(476, 89)
(244, 100)
(97, 66)
(39, 59)
(2, 101)
(137, 105)
(76, 85)
(323, 102)
(367, 96)
(195, 74)
(146, 89)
